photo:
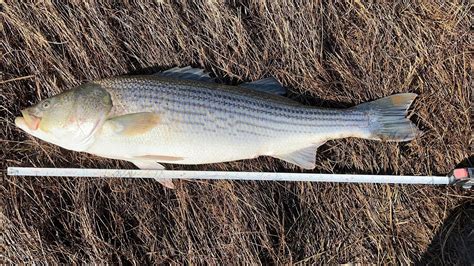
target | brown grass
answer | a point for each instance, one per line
(328, 53)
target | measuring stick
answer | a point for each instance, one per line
(221, 175)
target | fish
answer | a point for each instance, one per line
(183, 116)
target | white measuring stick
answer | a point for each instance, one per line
(220, 175)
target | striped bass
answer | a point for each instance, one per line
(181, 116)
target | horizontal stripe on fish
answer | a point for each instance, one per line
(206, 94)
(276, 115)
(347, 120)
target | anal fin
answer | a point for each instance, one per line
(304, 158)
(152, 165)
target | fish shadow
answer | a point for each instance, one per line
(453, 243)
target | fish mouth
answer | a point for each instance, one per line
(29, 120)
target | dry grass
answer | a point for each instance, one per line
(328, 53)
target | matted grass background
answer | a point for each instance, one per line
(333, 54)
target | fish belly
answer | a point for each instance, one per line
(191, 139)
(183, 143)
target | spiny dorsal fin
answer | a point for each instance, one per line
(304, 158)
(188, 73)
(152, 165)
(268, 85)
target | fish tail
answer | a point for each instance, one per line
(387, 118)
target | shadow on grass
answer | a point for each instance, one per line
(454, 241)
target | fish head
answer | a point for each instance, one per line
(69, 119)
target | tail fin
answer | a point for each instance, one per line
(388, 118)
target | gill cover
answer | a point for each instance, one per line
(92, 106)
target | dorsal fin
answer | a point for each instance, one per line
(268, 85)
(188, 73)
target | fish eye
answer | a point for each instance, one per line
(46, 104)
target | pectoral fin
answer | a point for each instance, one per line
(152, 165)
(304, 158)
(134, 124)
